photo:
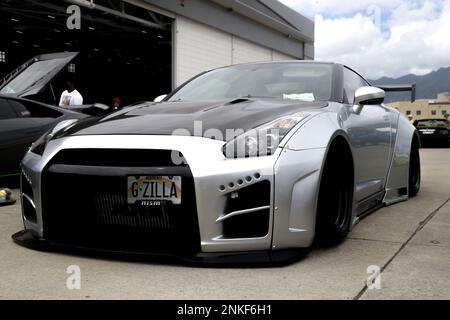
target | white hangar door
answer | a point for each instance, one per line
(245, 51)
(198, 47)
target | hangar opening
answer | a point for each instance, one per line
(139, 49)
(125, 50)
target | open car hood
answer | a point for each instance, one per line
(33, 76)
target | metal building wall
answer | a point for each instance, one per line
(198, 48)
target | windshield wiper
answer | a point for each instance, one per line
(250, 96)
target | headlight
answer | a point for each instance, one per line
(261, 141)
(444, 132)
(39, 145)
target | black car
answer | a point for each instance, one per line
(23, 121)
(434, 132)
(23, 115)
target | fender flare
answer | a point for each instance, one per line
(398, 176)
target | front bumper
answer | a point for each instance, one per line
(290, 204)
(214, 179)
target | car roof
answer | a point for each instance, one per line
(294, 61)
(284, 61)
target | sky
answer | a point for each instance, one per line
(381, 37)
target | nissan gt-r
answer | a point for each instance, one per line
(247, 163)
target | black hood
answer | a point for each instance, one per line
(164, 118)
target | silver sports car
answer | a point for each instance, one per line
(247, 163)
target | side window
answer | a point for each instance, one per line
(27, 109)
(352, 82)
(19, 109)
(6, 110)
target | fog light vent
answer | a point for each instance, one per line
(29, 211)
(247, 213)
(25, 185)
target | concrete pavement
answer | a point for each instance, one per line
(409, 242)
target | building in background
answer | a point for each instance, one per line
(441, 106)
(139, 49)
(424, 109)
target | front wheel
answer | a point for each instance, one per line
(334, 207)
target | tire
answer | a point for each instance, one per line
(415, 178)
(335, 202)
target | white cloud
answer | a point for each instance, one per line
(414, 38)
(338, 7)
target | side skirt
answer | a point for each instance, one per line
(370, 205)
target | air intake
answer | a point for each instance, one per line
(247, 213)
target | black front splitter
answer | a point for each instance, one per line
(268, 258)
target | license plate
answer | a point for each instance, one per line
(154, 190)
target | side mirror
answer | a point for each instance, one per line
(160, 98)
(368, 96)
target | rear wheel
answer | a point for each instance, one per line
(414, 170)
(334, 207)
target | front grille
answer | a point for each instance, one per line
(113, 210)
(85, 203)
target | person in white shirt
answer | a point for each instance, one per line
(70, 96)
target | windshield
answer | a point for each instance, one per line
(287, 81)
(433, 123)
(32, 75)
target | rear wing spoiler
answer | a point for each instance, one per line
(401, 88)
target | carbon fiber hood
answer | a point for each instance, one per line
(164, 118)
